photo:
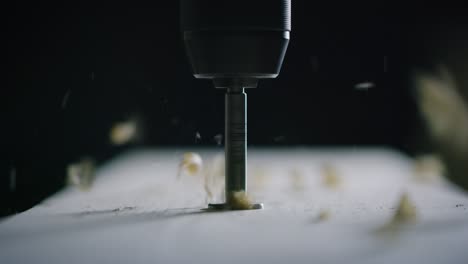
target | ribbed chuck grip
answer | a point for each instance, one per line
(235, 15)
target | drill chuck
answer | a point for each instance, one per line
(236, 38)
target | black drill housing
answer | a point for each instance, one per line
(236, 39)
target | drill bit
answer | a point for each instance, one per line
(236, 140)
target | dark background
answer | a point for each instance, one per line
(117, 61)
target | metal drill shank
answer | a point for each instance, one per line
(236, 140)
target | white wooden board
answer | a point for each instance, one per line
(139, 212)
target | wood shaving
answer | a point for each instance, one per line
(428, 168)
(406, 211)
(212, 173)
(443, 108)
(445, 111)
(191, 164)
(322, 216)
(405, 214)
(81, 174)
(330, 177)
(125, 132)
(239, 201)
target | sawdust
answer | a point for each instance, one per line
(322, 216)
(406, 211)
(428, 168)
(211, 172)
(405, 214)
(81, 174)
(330, 176)
(443, 108)
(239, 201)
(213, 179)
(126, 132)
(191, 164)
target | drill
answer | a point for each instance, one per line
(235, 43)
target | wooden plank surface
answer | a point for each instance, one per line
(139, 211)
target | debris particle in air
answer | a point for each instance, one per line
(12, 179)
(364, 86)
(330, 176)
(65, 98)
(428, 168)
(197, 137)
(81, 174)
(125, 132)
(443, 108)
(218, 139)
(445, 111)
(191, 164)
(213, 176)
